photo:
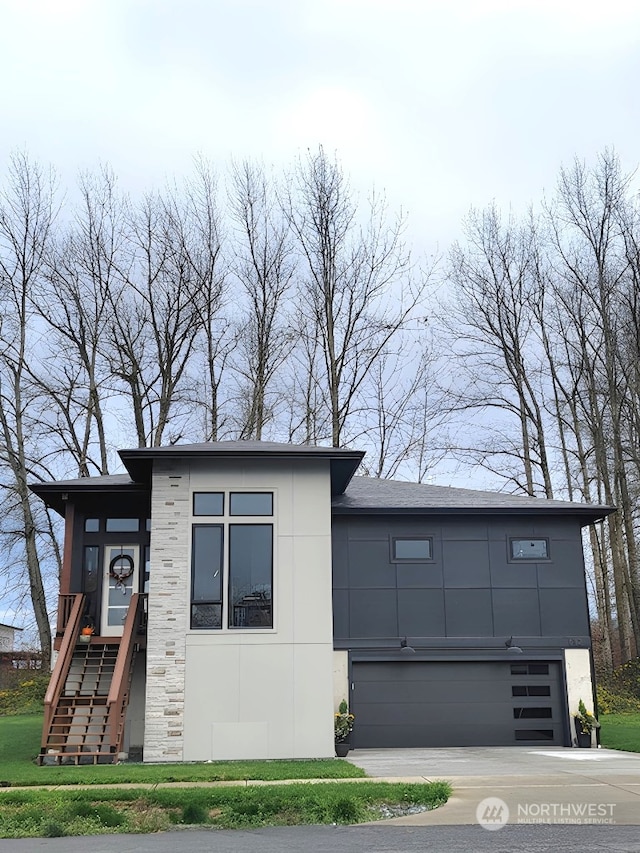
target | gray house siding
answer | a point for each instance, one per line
(462, 686)
(469, 589)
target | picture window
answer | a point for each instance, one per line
(232, 563)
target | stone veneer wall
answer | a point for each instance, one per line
(168, 613)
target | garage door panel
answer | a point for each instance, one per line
(452, 734)
(437, 671)
(431, 692)
(415, 713)
(441, 703)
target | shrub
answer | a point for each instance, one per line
(26, 697)
(615, 703)
(53, 830)
(194, 813)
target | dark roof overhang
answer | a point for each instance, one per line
(56, 495)
(343, 463)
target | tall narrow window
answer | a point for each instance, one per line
(206, 576)
(250, 575)
(91, 558)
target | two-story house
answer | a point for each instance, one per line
(219, 600)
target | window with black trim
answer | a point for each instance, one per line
(411, 549)
(123, 525)
(250, 575)
(208, 503)
(528, 549)
(250, 503)
(232, 561)
(207, 552)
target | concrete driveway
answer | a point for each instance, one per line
(519, 784)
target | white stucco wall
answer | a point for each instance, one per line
(261, 693)
(579, 683)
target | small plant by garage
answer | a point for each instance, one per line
(343, 722)
(585, 721)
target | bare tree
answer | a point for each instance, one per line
(264, 267)
(157, 317)
(357, 291)
(83, 280)
(26, 217)
(491, 317)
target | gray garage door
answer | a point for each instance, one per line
(497, 703)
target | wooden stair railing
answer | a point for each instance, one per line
(59, 675)
(118, 697)
(65, 605)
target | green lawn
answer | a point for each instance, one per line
(620, 731)
(73, 811)
(20, 744)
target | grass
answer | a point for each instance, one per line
(620, 731)
(20, 744)
(39, 813)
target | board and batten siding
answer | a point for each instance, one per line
(254, 693)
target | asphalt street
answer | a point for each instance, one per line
(351, 839)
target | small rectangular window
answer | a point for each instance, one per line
(251, 503)
(250, 575)
(529, 669)
(91, 525)
(529, 549)
(206, 576)
(532, 713)
(123, 525)
(531, 690)
(414, 550)
(208, 503)
(534, 734)
(538, 669)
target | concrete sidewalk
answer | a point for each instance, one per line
(521, 785)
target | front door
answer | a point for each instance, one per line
(120, 581)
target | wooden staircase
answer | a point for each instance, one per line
(86, 703)
(80, 727)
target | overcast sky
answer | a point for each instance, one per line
(442, 104)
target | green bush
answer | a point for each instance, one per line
(26, 697)
(194, 813)
(53, 830)
(615, 703)
(619, 691)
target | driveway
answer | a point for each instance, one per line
(519, 784)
